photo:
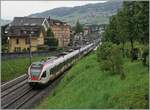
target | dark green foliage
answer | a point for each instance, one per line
(42, 48)
(142, 20)
(79, 27)
(134, 54)
(4, 48)
(110, 57)
(104, 50)
(130, 24)
(4, 39)
(111, 32)
(3, 36)
(50, 40)
(24, 50)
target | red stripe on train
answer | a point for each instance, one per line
(34, 78)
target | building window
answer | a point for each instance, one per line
(17, 41)
(27, 40)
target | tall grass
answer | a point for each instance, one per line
(15, 67)
(87, 86)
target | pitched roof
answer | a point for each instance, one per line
(55, 21)
(24, 31)
(21, 21)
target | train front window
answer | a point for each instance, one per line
(35, 71)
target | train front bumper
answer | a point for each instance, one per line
(37, 81)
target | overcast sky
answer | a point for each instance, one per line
(11, 9)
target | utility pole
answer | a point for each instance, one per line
(30, 48)
(8, 43)
(30, 51)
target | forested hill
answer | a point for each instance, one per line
(91, 13)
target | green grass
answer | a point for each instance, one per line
(12, 68)
(86, 86)
(15, 67)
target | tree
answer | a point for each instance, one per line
(78, 27)
(50, 40)
(122, 32)
(142, 18)
(131, 23)
(111, 31)
(110, 58)
(3, 36)
(4, 39)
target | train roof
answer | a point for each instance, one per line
(36, 64)
(44, 61)
(53, 61)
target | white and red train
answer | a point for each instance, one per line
(44, 71)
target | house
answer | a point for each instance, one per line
(95, 28)
(86, 30)
(61, 31)
(21, 29)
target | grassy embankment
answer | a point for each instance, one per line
(86, 86)
(12, 68)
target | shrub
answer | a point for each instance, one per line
(103, 51)
(106, 65)
(116, 59)
(42, 48)
(24, 50)
(110, 57)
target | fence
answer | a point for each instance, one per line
(24, 54)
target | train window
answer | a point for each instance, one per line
(60, 65)
(54, 70)
(35, 71)
(44, 74)
(50, 71)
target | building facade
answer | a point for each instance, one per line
(61, 31)
(19, 38)
(22, 30)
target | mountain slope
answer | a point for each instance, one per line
(91, 13)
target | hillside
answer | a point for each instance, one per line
(4, 22)
(87, 86)
(91, 13)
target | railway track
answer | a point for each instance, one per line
(17, 94)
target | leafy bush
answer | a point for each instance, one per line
(110, 57)
(103, 51)
(24, 50)
(4, 48)
(106, 65)
(42, 48)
